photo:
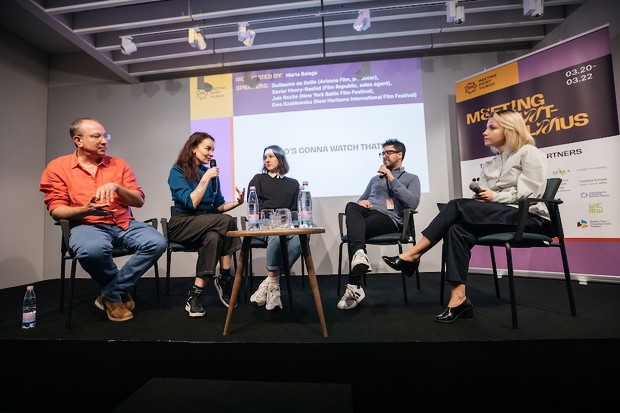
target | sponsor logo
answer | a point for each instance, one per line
(470, 88)
(595, 208)
(561, 171)
(582, 224)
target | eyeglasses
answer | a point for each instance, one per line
(387, 153)
(98, 136)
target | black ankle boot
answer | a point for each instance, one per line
(397, 263)
(451, 314)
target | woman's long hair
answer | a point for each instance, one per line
(515, 130)
(187, 158)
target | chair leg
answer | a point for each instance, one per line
(495, 278)
(156, 265)
(569, 287)
(513, 302)
(303, 272)
(403, 276)
(443, 275)
(339, 269)
(417, 278)
(61, 305)
(71, 291)
(284, 255)
(250, 268)
(167, 289)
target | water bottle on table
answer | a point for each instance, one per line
(304, 205)
(253, 210)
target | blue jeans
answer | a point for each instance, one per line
(93, 246)
(274, 257)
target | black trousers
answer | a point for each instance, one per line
(207, 233)
(363, 223)
(461, 221)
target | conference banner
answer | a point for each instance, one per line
(566, 94)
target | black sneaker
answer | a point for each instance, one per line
(223, 285)
(194, 306)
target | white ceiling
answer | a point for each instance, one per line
(288, 32)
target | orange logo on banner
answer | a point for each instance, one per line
(487, 82)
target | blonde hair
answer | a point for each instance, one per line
(515, 130)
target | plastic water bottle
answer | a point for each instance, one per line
(253, 210)
(29, 309)
(304, 204)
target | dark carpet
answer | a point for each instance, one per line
(383, 355)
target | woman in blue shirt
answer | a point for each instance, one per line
(198, 219)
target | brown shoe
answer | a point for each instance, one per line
(128, 301)
(99, 302)
(117, 311)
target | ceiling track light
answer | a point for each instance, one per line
(362, 23)
(196, 39)
(245, 35)
(127, 45)
(455, 13)
(534, 8)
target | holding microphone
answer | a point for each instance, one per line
(475, 186)
(213, 164)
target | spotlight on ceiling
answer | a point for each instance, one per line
(127, 45)
(196, 39)
(455, 14)
(534, 8)
(245, 35)
(362, 23)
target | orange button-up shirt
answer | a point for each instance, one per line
(65, 182)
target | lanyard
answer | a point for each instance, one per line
(389, 188)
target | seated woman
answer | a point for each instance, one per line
(518, 170)
(199, 220)
(275, 191)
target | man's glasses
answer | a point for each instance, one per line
(387, 153)
(98, 136)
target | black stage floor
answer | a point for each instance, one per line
(380, 356)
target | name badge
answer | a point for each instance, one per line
(389, 203)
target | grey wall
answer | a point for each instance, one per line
(23, 119)
(150, 121)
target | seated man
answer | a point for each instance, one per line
(378, 211)
(95, 193)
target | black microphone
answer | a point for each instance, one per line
(213, 164)
(475, 186)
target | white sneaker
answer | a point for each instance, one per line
(360, 260)
(352, 297)
(273, 297)
(260, 296)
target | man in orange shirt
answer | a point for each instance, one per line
(96, 192)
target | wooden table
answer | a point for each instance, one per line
(306, 256)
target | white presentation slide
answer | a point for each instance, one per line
(335, 150)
